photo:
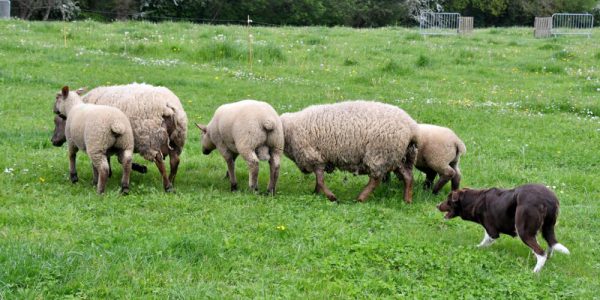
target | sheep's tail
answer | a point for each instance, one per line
(179, 125)
(460, 148)
(118, 128)
(268, 125)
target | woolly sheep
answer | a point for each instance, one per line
(250, 128)
(357, 136)
(59, 138)
(157, 118)
(439, 153)
(100, 131)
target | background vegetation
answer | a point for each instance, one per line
(355, 13)
(526, 108)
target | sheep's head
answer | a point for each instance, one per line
(59, 138)
(60, 105)
(207, 144)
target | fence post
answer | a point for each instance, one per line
(4, 9)
(465, 25)
(542, 27)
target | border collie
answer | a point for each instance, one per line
(522, 211)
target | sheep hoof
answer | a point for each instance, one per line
(234, 187)
(139, 168)
(332, 198)
(169, 189)
(74, 178)
(125, 191)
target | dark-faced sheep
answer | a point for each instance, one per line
(100, 131)
(249, 128)
(357, 136)
(59, 138)
(157, 118)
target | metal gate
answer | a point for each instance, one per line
(572, 24)
(4, 9)
(439, 23)
(542, 27)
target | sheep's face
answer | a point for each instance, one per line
(59, 138)
(207, 144)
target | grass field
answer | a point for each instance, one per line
(528, 110)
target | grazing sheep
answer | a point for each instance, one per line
(357, 136)
(59, 138)
(157, 118)
(439, 153)
(100, 131)
(250, 128)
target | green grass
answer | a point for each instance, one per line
(528, 110)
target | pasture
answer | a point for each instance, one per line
(527, 109)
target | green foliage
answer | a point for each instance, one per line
(396, 68)
(423, 61)
(524, 114)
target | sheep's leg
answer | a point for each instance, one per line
(456, 177)
(430, 175)
(234, 157)
(95, 175)
(101, 164)
(445, 176)
(373, 183)
(109, 168)
(160, 164)
(125, 157)
(407, 176)
(274, 162)
(174, 164)
(405, 171)
(230, 159)
(252, 160)
(72, 163)
(320, 174)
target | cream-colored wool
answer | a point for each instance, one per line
(99, 130)
(157, 118)
(250, 128)
(439, 154)
(361, 137)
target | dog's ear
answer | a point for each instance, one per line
(455, 196)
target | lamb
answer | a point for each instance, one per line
(250, 128)
(59, 138)
(358, 136)
(100, 131)
(439, 153)
(157, 118)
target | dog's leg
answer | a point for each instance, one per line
(487, 240)
(541, 260)
(527, 224)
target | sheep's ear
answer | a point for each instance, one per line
(455, 196)
(81, 91)
(201, 127)
(65, 91)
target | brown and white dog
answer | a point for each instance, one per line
(521, 211)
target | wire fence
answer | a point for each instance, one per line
(572, 24)
(431, 23)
